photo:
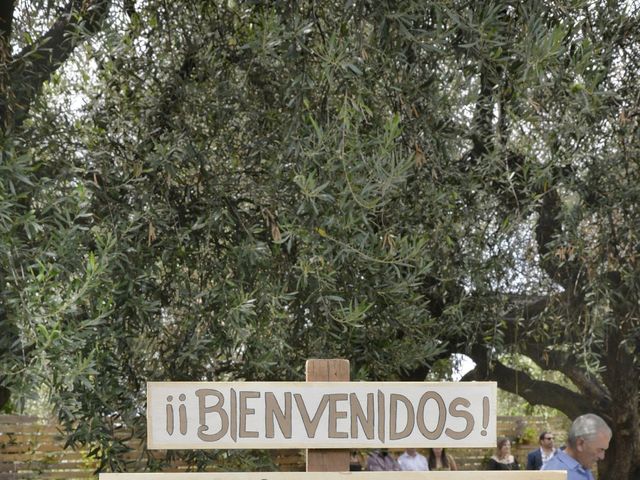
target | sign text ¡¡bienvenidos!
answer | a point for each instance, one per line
(202, 415)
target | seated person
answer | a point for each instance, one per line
(412, 460)
(382, 460)
(439, 459)
(503, 460)
(355, 461)
(538, 457)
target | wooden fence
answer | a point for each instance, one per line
(31, 448)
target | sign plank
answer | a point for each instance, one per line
(459, 475)
(312, 415)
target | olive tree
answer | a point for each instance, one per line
(220, 190)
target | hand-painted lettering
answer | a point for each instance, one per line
(203, 410)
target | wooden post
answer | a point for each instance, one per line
(327, 370)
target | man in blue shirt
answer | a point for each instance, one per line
(588, 439)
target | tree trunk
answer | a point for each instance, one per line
(621, 377)
(5, 396)
(621, 459)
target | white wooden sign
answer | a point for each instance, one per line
(336, 415)
(478, 475)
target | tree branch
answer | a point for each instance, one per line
(483, 116)
(35, 63)
(556, 262)
(536, 392)
(6, 27)
(5, 396)
(6, 21)
(567, 364)
(519, 330)
(481, 132)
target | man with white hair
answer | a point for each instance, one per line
(588, 439)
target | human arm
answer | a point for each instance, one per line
(531, 461)
(374, 464)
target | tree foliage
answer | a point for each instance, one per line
(221, 190)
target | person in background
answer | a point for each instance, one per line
(588, 439)
(503, 460)
(412, 460)
(355, 461)
(538, 457)
(439, 459)
(382, 460)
